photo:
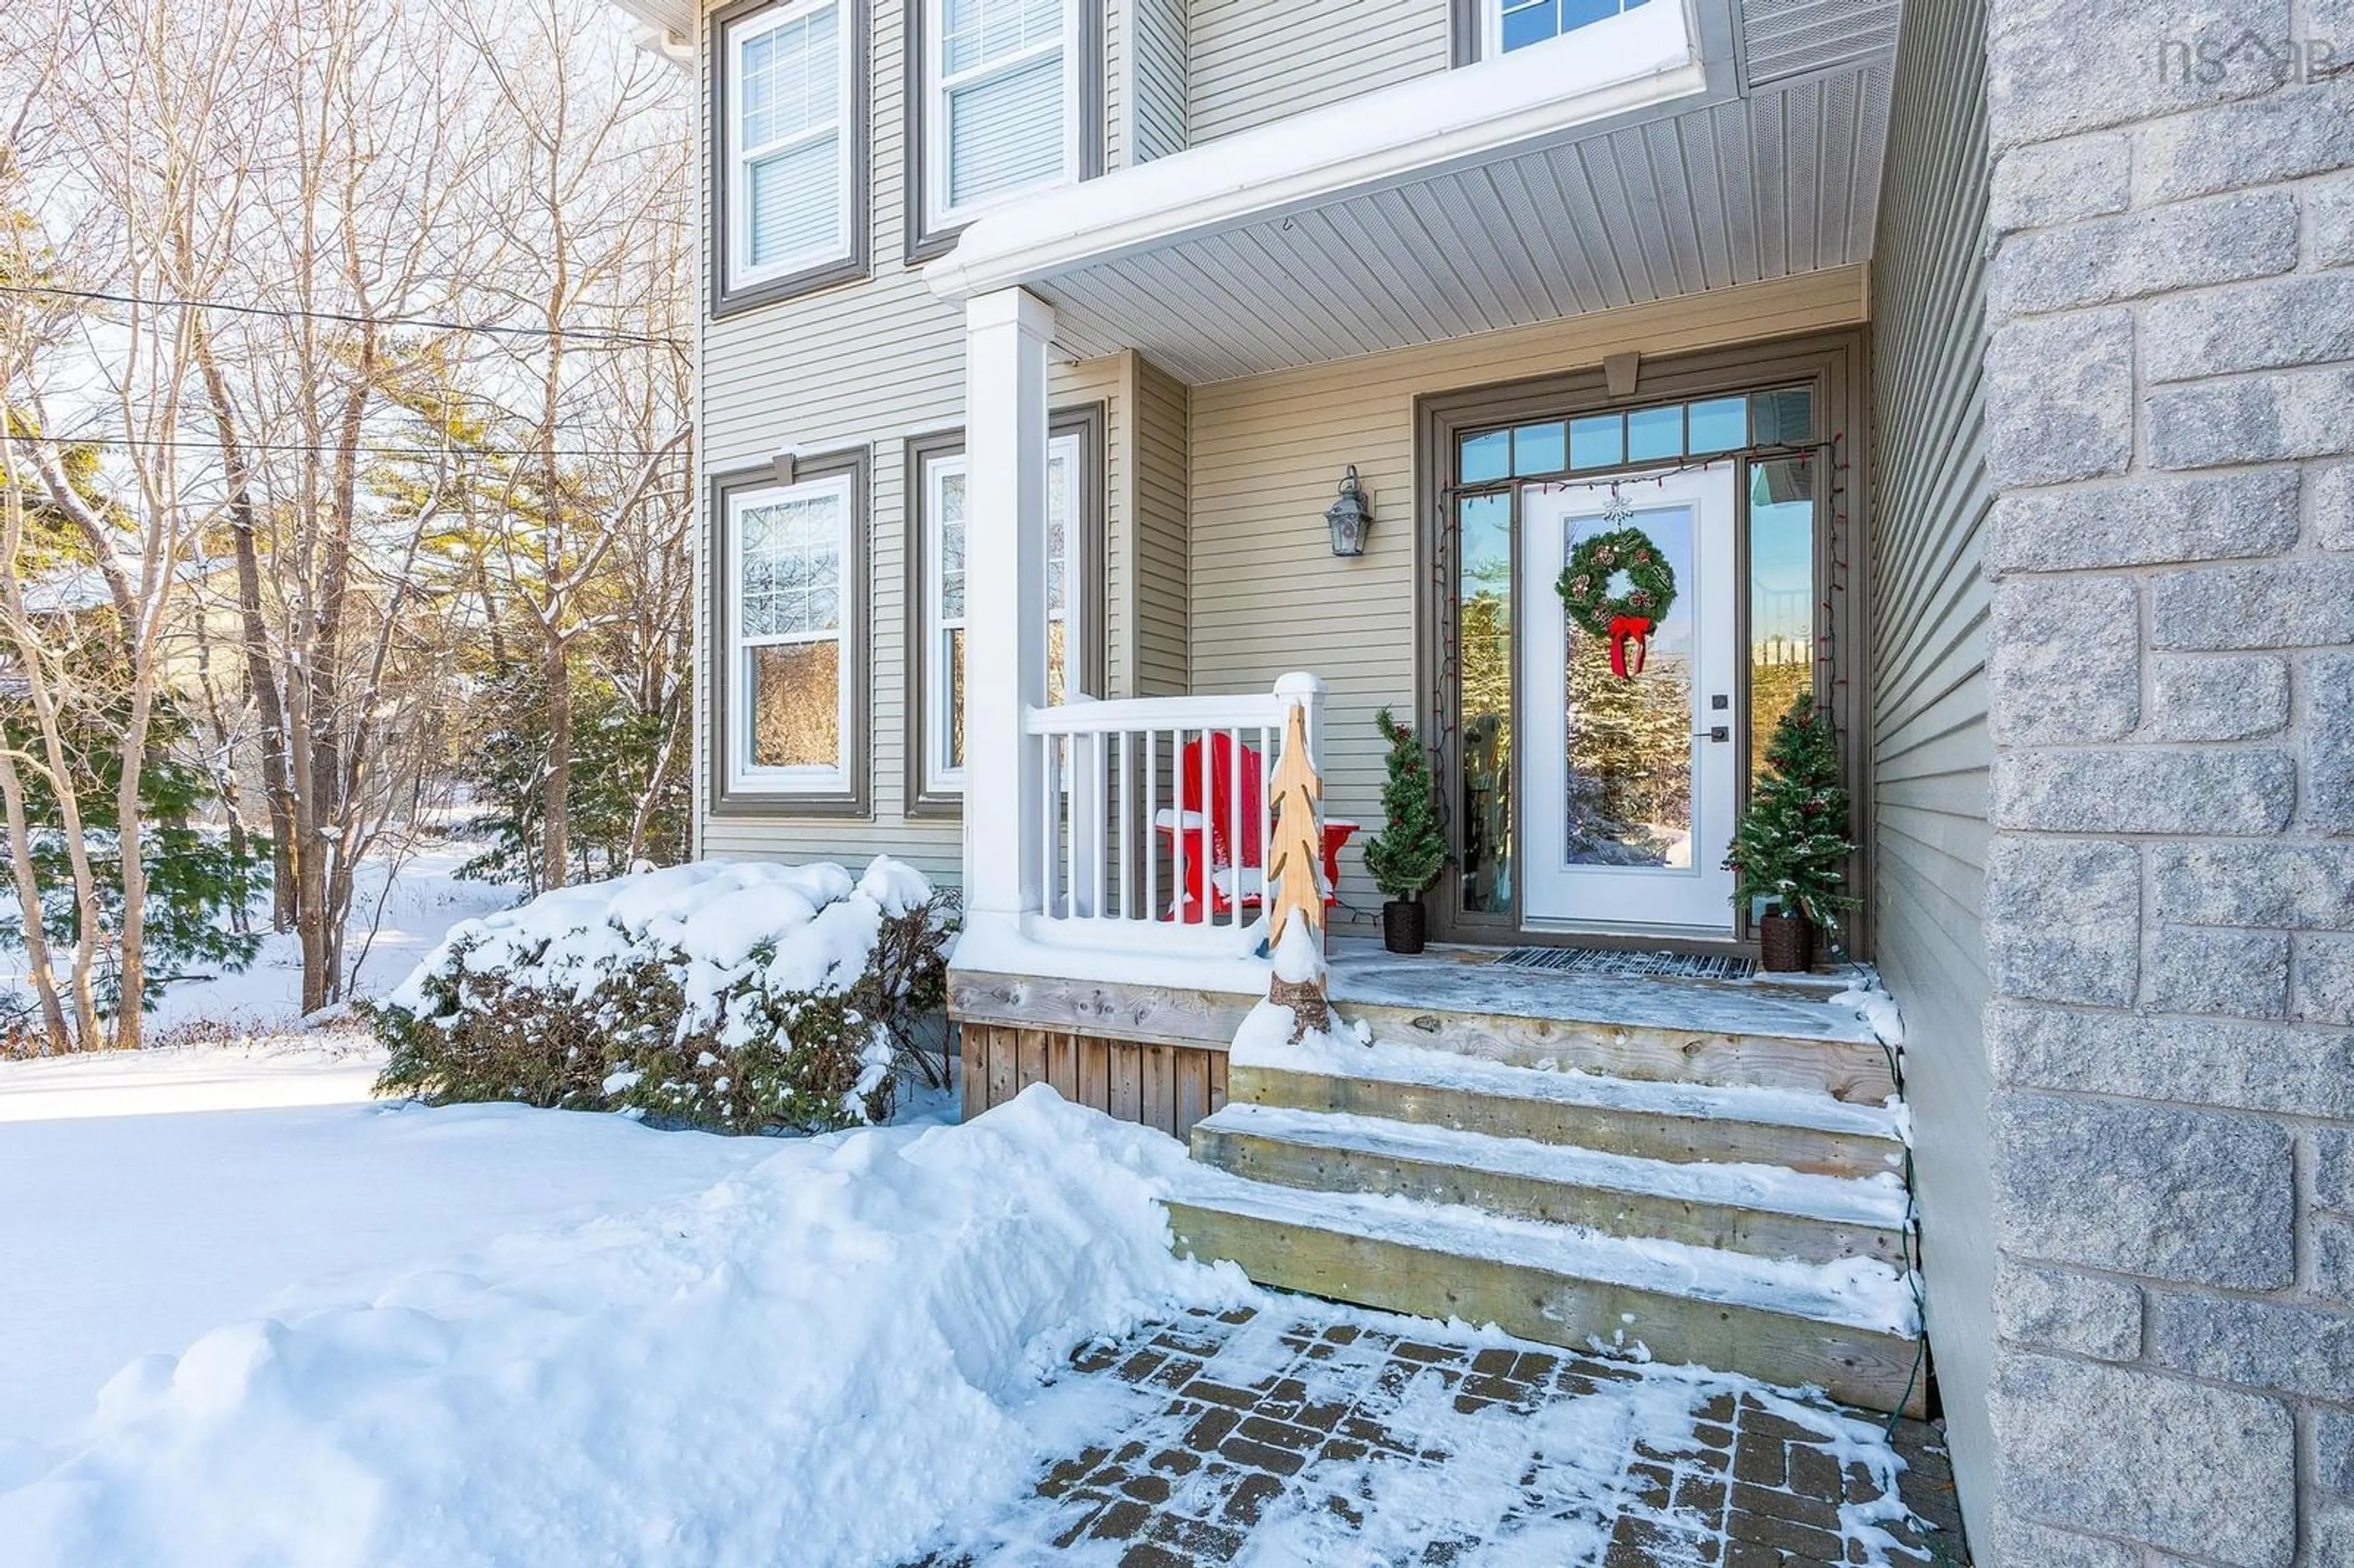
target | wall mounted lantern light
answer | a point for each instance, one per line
(1349, 517)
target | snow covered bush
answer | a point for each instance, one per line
(744, 997)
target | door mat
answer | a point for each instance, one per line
(1625, 961)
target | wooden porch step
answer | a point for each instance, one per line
(1755, 1033)
(1676, 1122)
(1764, 1210)
(1850, 1327)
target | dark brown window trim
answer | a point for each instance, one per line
(1836, 364)
(924, 243)
(1088, 422)
(1463, 30)
(857, 646)
(726, 300)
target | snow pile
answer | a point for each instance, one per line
(825, 1360)
(794, 927)
(1877, 1009)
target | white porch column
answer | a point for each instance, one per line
(1006, 333)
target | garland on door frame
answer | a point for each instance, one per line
(1631, 616)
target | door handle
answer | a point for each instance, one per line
(1720, 734)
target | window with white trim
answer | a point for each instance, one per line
(790, 141)
(1511, 24)
(789, 607)
(1003, 81)
(943, 503)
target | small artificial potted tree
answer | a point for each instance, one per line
(1791, 847)
(1405, 857)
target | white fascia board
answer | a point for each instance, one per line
(1640, 61)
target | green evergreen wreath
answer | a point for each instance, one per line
(1584, 584)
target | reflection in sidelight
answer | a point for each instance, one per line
(1484, 622)
(1781, 594)
(1630, 741)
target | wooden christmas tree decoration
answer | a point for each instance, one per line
(1295, 854)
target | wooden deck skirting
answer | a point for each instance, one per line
(1148, 1053)
(1167, 1086)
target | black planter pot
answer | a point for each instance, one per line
(1785, 944)
(1402, 925)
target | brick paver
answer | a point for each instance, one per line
(1328, 1437)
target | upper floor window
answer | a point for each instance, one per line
(1516, 23)
(789, 94)
(1002, 103)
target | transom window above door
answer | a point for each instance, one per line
(1664, 432)
(1516, 23)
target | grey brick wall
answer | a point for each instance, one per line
(2170, 886)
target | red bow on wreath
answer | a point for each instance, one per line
(1626, 629)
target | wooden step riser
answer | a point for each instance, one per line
(1857, 1366)
(1847, 1070)
(1608, 1129)
(1318, 1168)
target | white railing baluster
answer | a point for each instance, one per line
(1152, 824)
(1209, 836)
(1237, 855)
(1266, 813)
(1127, 842)
(1177, 883)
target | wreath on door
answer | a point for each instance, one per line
(1631, 616)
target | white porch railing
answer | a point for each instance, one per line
(1153, 815)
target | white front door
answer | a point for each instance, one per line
(1628, 784)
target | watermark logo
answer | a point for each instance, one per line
(2211, 60)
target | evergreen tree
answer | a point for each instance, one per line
(1792, 845)
(200, 880)
(1405, 855)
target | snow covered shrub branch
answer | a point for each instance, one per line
(741, 997)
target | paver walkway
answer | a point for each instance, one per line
(1325, 1437)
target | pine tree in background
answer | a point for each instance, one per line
(1792, 847)
(1405, 857)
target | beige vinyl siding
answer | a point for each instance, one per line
(1158, 648)
(865, 364)
(1156, 74)
(1253, 61)
(1268, 595)
(1928, 699)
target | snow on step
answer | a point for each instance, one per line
(1875, 1200)
(1855, 1293)
(1389, 1062)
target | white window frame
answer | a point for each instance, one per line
(940, 777)
(735, 35)
(939, 212)
(806, 778)
(1492, 27)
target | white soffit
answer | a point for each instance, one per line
(675, 17)
(1494, 195)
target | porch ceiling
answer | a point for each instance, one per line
(1546, 185)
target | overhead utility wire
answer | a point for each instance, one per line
(585, 335)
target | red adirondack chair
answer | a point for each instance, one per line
(1228, 883)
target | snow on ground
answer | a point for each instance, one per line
(151, 1196)
(823, 1359)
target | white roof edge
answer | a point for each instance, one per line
(1639, 59)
